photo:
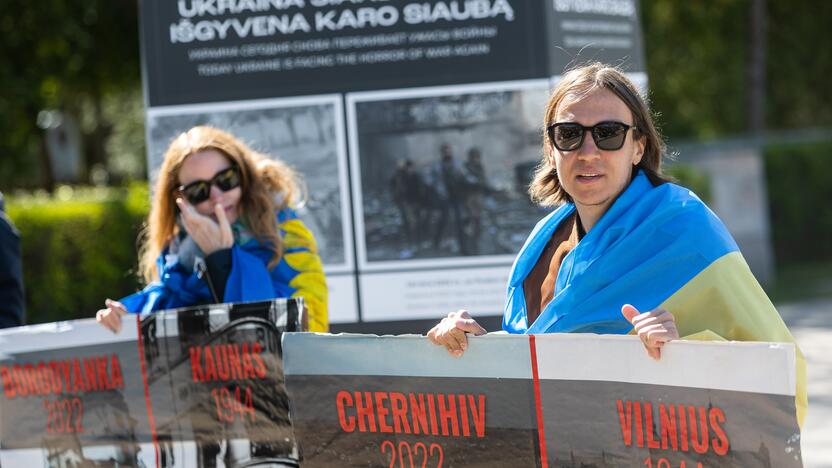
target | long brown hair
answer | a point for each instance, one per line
(545, 188)
(267, 185)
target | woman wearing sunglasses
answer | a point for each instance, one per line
(625, 250)
(222, 229)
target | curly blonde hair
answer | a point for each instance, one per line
(545, 188)
(267, 185)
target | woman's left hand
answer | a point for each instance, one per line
(210, 236)
(655, 328)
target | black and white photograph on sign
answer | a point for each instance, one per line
(445, 174)
(305, 133)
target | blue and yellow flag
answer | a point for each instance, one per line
(299, 273)
(655, 247)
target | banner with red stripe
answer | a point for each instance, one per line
(545, 400)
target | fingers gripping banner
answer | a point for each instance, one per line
(200, 386)
(545, 400)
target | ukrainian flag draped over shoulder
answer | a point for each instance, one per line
(302, 269)
(654, 247)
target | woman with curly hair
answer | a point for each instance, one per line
(222, 229)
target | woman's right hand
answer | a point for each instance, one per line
(110, 317)
(210, 236)
(451, 332)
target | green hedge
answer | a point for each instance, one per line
(800, 201)
(79, 247)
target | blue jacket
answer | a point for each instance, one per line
(298, 273)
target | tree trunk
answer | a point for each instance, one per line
(97, 148)
(756, 71)
(47, 177)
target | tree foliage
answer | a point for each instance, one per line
(82, 57)
(799, 64)
(695, 64)
(697, 53)
(67, 55)
(78, 247)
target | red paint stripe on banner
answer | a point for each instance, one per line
(544, 460)
(147, 391)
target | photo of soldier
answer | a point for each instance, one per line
(409, 193)
(428, 188)
(449, 186)
(478, 188)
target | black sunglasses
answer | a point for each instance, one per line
(569, 136)
(200, 190)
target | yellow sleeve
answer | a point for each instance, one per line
(725, 302)
(300, 252)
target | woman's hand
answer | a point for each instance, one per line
(655, 328)
(210, 236)
(110, 317)
(451, 332)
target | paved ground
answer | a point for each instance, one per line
(811, 324)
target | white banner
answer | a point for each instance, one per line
(546, 400)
